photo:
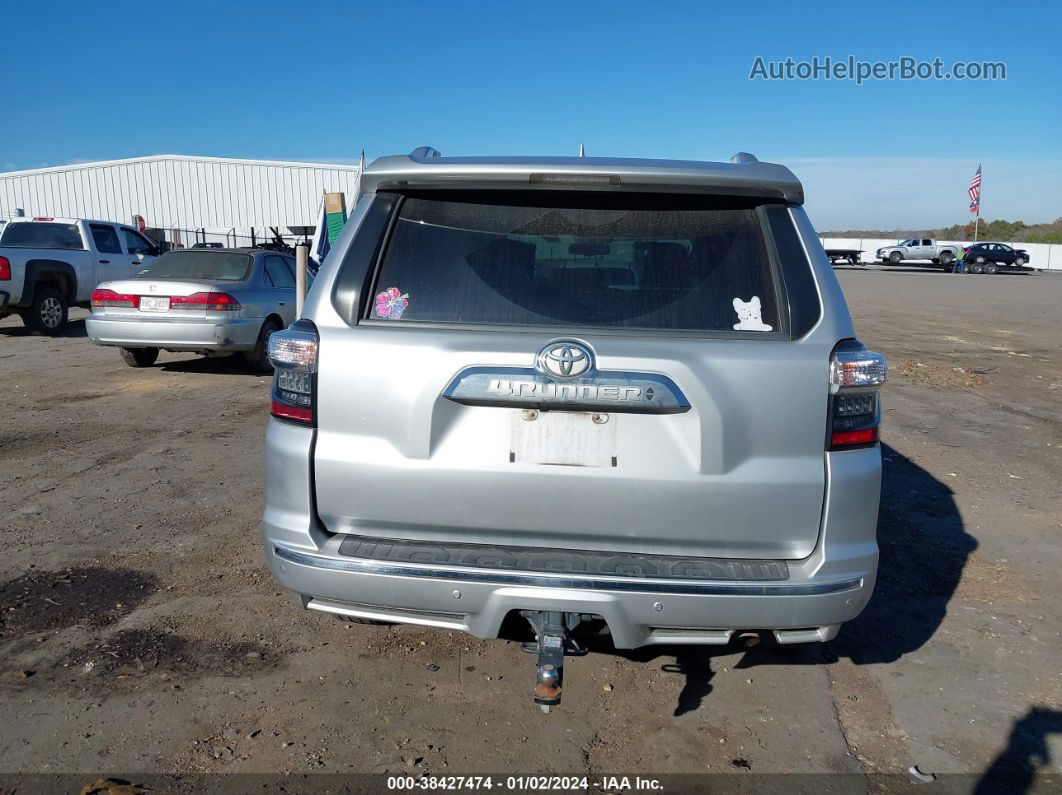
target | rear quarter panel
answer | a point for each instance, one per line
(27, 264)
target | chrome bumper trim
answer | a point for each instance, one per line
(364, 566)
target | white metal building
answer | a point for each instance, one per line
(209, 197)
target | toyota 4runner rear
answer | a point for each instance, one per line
(575, 391)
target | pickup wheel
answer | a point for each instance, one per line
(991, 267)
(48, 312)
(895, 257)
(257, 361)
(140, 357)
(946, 257)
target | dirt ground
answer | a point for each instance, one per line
(141, 633)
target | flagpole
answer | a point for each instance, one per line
(980, 190)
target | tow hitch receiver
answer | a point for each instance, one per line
(552, 641)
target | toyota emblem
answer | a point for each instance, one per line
(565, 359)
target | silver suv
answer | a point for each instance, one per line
(570, 392)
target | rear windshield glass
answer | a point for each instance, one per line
(200, 264)
(581, 260)
(41, 235)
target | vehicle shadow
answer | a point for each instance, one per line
(877, 267)
(211, 365)
(924, 548)
(74, 329)
(1014, 770)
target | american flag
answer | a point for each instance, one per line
(974, 191)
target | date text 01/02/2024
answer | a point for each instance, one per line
(523, 783)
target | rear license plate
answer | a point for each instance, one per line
(563, 437)
(154, 303)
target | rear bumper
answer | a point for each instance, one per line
(234, 334)
(637, 613)
(829, 587)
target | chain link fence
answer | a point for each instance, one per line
(273, 238)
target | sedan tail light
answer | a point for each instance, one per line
(856, 376)
(212, 302)
(293, 354)
(111, 298)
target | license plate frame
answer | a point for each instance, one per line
(154, 303)
(563, 438)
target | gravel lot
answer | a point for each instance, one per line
(141, 633)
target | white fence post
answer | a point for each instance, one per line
(302, 262)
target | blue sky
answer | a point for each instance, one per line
(322, 81)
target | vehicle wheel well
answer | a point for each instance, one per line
(51, 273)
(60, 281)
(275, 317)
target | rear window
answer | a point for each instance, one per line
(199, 264)
(648, 262)
(36, 234)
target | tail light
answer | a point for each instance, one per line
(293, 354)
(111, 298)
(856, 375)
(5, 269)
(212, 302)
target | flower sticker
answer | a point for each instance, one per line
(391, 303)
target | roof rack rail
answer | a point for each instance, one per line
(425, 151)
(743, 157)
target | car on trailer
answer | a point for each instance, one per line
(991, 257)
(576, 394)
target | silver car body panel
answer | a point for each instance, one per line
(693, 480)
(741, 474)
(192, 335)
(830, 586)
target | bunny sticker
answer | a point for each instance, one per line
(749, 315)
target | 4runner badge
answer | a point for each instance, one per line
(565, 377)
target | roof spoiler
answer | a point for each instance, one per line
(431, 151)
(426, 168)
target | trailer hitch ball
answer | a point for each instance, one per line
(549, 676)
(548, 690)
(551, 639)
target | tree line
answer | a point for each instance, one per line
(1000, 230)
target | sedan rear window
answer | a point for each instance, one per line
(638, 262)
(34, 234)
(199, 264)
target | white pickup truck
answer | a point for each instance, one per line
(919, 249)
(48, 265)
